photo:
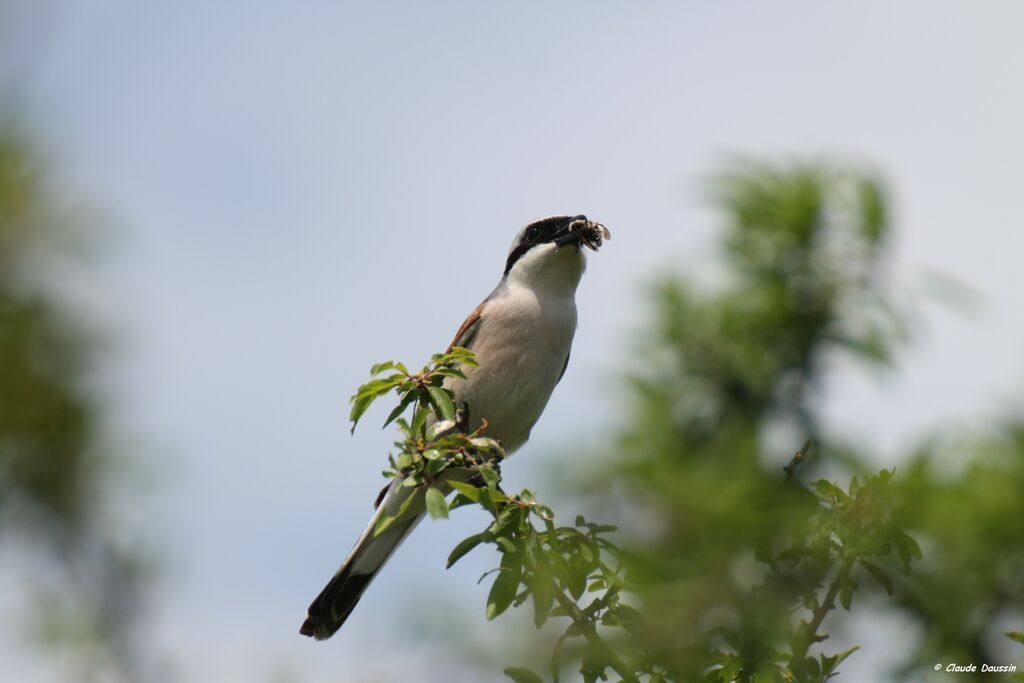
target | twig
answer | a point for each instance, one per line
(811, 632)
(593, 637)
(798, 459)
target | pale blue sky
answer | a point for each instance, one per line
(275, 167)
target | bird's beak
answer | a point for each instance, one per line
(582, 231)
(564, 237)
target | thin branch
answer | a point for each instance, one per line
(798, 459)
(589, 632)
(810, 635)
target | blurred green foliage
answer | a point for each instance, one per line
(739, 560)
(739, 547)
(47, 426)
(966, 499)
(84, 591)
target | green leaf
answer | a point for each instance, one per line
(435, 463)
(812, 668)
(484, 443)
(359, 406)
(543, 511)
(879, 574)
(490, 476)
(450, 372)
(504, 589)
(506, 544)
(386, 520)
(442, 403)
(459, 501)
(409, 399)
(419, 419)
(507, 516)
(460, 355)
(630, 616)
(587, 554)
(487, 501)
(521, 675)
(907, 548)
(383, 522)
(844, 654)
(468, 490)
(437, 506)
(593, 662)
(829, 491)
(543, 591)
(846, 595)
(575, 582)
(378, 387)
(555, 663)
(464, 546)
(1017, 636)
(387, 365)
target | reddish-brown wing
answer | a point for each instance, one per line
(465, 332)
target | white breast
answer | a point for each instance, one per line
(521, 344)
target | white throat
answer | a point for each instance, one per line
(549, 269)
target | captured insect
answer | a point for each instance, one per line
(591, 234)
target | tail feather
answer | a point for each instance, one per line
(336, 601)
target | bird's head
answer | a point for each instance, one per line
(549, 250)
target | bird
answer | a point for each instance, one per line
(521, 335)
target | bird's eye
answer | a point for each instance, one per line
(532, 234)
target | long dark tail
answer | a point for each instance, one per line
(336, 601)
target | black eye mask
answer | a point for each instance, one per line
(559, 230)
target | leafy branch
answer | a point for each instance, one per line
(552, 566)
(848, 528)
(578, 574)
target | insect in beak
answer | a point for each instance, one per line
(589, 233)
